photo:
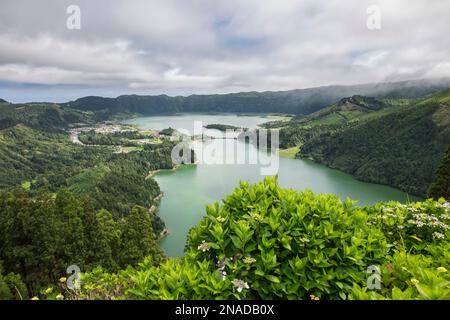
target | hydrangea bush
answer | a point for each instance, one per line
(265, 242)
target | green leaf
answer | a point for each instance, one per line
(272, 278)
(259, 272)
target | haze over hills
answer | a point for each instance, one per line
(300, 101)
(396, 136)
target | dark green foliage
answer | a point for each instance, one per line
(113, 139)
(401, 150)
(47, 160)
(11, 286)
(108, 238)
(362, 103)
(138, 240)
(39, 115)
(69, 209)
(41, 236)
(26, 154)
(441, 185)
(298, 135)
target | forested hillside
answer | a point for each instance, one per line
(64, 203)
(39, 115)
(301, 101)
(396, 142)
(40, 159)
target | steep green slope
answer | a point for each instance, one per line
(41, 159)
(347, 112)
(39, 115)
(27, 153)
(400, 146)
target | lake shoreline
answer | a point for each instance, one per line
(187, 192)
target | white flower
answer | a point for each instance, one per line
(240, 285)
(438, 235)
(204, 246)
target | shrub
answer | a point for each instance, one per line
(414, 225)
(408, 276)
(288, 245)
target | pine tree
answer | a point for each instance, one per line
(441, 185)
(108, 240)
(138, 240)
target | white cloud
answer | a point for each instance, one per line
(221, 46)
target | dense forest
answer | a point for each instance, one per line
(63, 203)
(41, 236)
(40, 115)
(125, 138)
(116, 181)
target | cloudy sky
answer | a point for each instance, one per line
(211, 46)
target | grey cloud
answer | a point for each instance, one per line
(198, 46)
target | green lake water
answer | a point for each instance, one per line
(189, 189)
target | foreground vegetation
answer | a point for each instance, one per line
(41, 236)
(265, 242)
